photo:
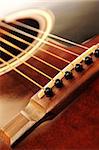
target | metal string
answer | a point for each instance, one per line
(35, 57)
(27, 64)
(16, 47)
(31, 36)
(50, 35)
(38, 39)
(21, 73)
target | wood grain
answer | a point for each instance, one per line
(75, 128)
(23, 90)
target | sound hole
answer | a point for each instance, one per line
(22, 45)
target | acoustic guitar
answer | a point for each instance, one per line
(43, 74)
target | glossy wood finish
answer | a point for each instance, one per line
(23, 89)
(19, 92)
(75, 128)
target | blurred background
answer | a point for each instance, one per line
(75, 20)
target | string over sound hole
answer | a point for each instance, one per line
(19, 40)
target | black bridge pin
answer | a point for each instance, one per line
(48, 92)
(96, 53)
(78, 68)
(58, 83)
(68, 75)
(88, 60)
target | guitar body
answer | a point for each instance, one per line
(76, 127)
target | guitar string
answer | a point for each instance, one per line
(18, 48)
(23, 41)
(36, 38)
(47, 52)
(15, 69)
(14, 36)
(22, 74)
(3, 40)
(49, 34)
(27, 64)
(18, 71)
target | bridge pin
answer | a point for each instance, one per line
(68, 75)
(78, 67)
(96, 53)
(58, 83)
(48, 92)
(88, 60)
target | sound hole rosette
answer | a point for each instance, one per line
(45, 19)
